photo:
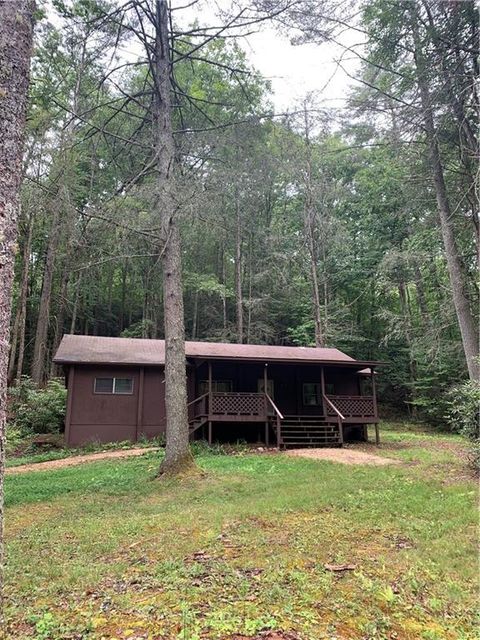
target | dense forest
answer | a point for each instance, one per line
(355, 227)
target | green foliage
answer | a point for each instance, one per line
(141, 329)
(47, 626)
(242, 192)
(463, 414)
(15, 438)
(35, 409)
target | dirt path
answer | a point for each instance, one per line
(345, 456)
(75, 460)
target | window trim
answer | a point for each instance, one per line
(113, 392)
(318, 394)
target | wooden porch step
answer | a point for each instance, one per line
(310, 434)
(309, 431)
(196, 423)
(308, 419)
(287, 429)
(314, 445)
(306, 437)
(307, 427)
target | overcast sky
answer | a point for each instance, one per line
(293, 71)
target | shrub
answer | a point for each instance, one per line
(464, 414)
(14, 439)
(35, 409)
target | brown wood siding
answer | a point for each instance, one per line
(102, 417)
(107, 418)
(153, 411)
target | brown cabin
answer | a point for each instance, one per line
(281, 396)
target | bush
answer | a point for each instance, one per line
(464, 414)
(15, 440)
(35, 409)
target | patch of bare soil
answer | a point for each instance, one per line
(76, 460)
(344, 456)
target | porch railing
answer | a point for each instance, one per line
(261, 406)
(352, 406)
(237, 404)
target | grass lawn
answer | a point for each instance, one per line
(103, 550)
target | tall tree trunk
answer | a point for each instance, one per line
(250, 278)
(13, 346)
(63, 223)
(421, 296)
(455, 269)
(41, 334)
(178, 457)
(309, 225)
(124, 296)
(19, 333)
(238, 267)
(317, 313)
(60, 319)
(75, 303)
(224, 293)
(407, 321)
(195, 315)
(16, 30)
(325, 289)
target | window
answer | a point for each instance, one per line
(312, 394)
(224, 386)
(329, 389)
(103, 385)
(123, 385)
(119, 386)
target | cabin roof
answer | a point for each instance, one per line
(76, 349)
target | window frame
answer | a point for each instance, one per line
(113, 392)
(318, 394)
(330, 389)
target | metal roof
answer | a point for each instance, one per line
(139, 351)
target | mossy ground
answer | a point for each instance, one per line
(106, 550)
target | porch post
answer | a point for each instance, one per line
(70, 392)
(209, 402)
(322, 384)
(140, 402)
(375, 410)
(265, 381)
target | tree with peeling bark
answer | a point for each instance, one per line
(178, 457)
(152, 26)
(16, 34)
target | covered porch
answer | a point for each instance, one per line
(291, 404)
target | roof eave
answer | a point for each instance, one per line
(343, 363)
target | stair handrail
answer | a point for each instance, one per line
(279, 419)
(275, 408)
(197, 399)
(340, 417)
(332, 406)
